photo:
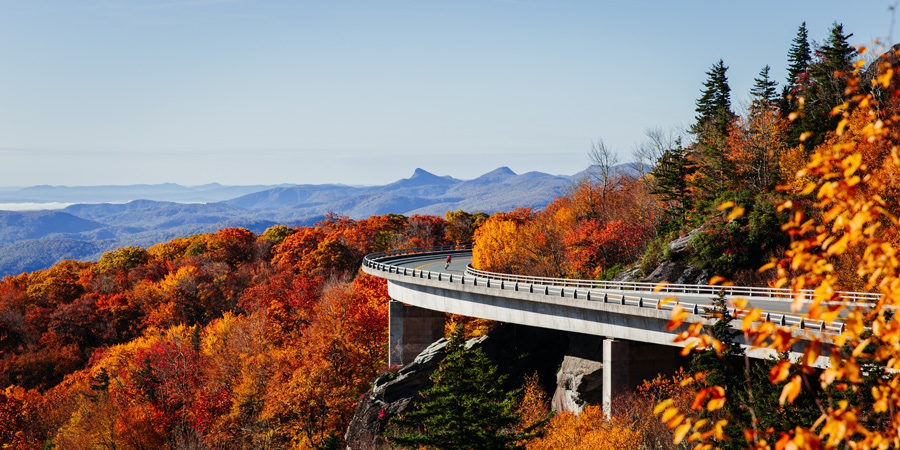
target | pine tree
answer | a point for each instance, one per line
(714, 105)
(798, 58)
(725, 370)
(764, 91)
(826, 86)
(672, 174)
(466, 408)
(714, 117)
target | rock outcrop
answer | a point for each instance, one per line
(516, 350)
(580, 377)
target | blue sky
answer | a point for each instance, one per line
(362, 92)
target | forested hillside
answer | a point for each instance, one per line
(34, 240)
(227, 339)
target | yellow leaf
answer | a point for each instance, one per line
(662, 405)
(716, 280)
(735, 213)
(664, 301)
(681, 432)
(791, 390)
(668, 414)
(725, 205)
(752, 316)
(805, 135)
(716, 403)
(678, 316)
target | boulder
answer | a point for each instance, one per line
(580, 377)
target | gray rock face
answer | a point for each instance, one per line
(390, 395)
(580, 377)
(517, 350)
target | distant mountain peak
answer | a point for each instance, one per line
(501, 171)
(420, 172)
(497, 175)
(422, 177)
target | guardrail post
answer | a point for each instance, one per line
(782, 323)
(475, 281)
(588, 295)
(801, 324)
(623, 299)
(562, 292)
(768, 317)
(605, 298)
(502, 285)
(575, 294)
(489, 282)
(641, 302)
(546, 290)
(516, 286)
(429, 274)
(822, 327)
(531, 288)
(696, 309)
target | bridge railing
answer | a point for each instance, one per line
(730, 291)
(590, 290)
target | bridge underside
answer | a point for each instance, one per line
(594, 367)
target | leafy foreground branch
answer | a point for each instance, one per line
(845, 231)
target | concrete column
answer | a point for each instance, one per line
(616, 367)
(411, 329)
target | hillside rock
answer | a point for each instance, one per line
(580, 377)
(390, 395)
(517, 351)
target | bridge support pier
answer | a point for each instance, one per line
(616, 368)
(411, 330)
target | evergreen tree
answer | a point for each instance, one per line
(764, 92)
(466, 408)
(798, 58)
(714, 105)
(825, 89)
(714, 118)
(672, 173)
(725, 370)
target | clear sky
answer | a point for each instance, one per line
(362, 92)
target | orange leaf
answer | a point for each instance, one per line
(678, 316)
(791, 390)
(779, 372)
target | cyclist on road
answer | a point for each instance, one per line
(448, 262)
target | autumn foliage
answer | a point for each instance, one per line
(218, 340)
(600, 225)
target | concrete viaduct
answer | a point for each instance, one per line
(626, 315)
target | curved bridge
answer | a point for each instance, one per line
(424, 288)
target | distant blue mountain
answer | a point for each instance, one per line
(212, 192)
(147, 214)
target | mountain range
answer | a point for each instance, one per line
(107, 217)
